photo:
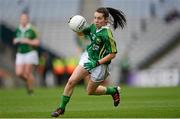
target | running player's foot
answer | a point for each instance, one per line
(57, 112)
(30, 92)
(116, 96)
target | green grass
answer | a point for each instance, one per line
(136, 102)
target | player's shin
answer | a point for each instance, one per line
(64, 101)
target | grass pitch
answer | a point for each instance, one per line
(135, 103)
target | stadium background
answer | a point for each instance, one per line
(148, 48)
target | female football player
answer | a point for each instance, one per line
(94, 62)
(26, 40)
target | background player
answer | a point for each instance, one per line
(26, 40)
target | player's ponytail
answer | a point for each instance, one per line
(118, 16)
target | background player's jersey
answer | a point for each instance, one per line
(27, 32)
(102, 42)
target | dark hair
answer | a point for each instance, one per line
(119, 19)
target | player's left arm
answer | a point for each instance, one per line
(111, 47)
(107, 58)
(92, 64)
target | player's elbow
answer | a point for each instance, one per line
(112, 55)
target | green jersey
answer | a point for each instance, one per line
(102, 42)
(27, 32)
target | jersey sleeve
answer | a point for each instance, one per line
(34, 33)
(87, 30)
(110, 42)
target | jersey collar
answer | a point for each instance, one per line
(23, 29)
(106, 27)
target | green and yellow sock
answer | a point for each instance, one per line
(64, 101)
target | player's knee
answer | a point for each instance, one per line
(28, 75)
(19, 74)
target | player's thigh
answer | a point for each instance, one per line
(92, 86)
(78, 74)
(28, 68)
(86, 79)
(20, 68)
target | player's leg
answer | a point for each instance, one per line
(98, 75)
(30, 77)
(94, 88)
(78, 74)
(86, 79)
(22, 71)
(19, 68)
(31, 59)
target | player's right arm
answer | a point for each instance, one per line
(15, 40)
(80, 34)
(85, 31)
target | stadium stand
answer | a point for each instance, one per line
(50, 19)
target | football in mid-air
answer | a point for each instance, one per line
(77, 23)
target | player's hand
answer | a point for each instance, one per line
(24, 41)
(16, 41)
(90, 65)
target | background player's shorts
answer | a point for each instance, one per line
(99, 73)
(27, 58)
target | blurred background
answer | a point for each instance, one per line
(148, 48)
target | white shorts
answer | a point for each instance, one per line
(27, 58)
(99, 73)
